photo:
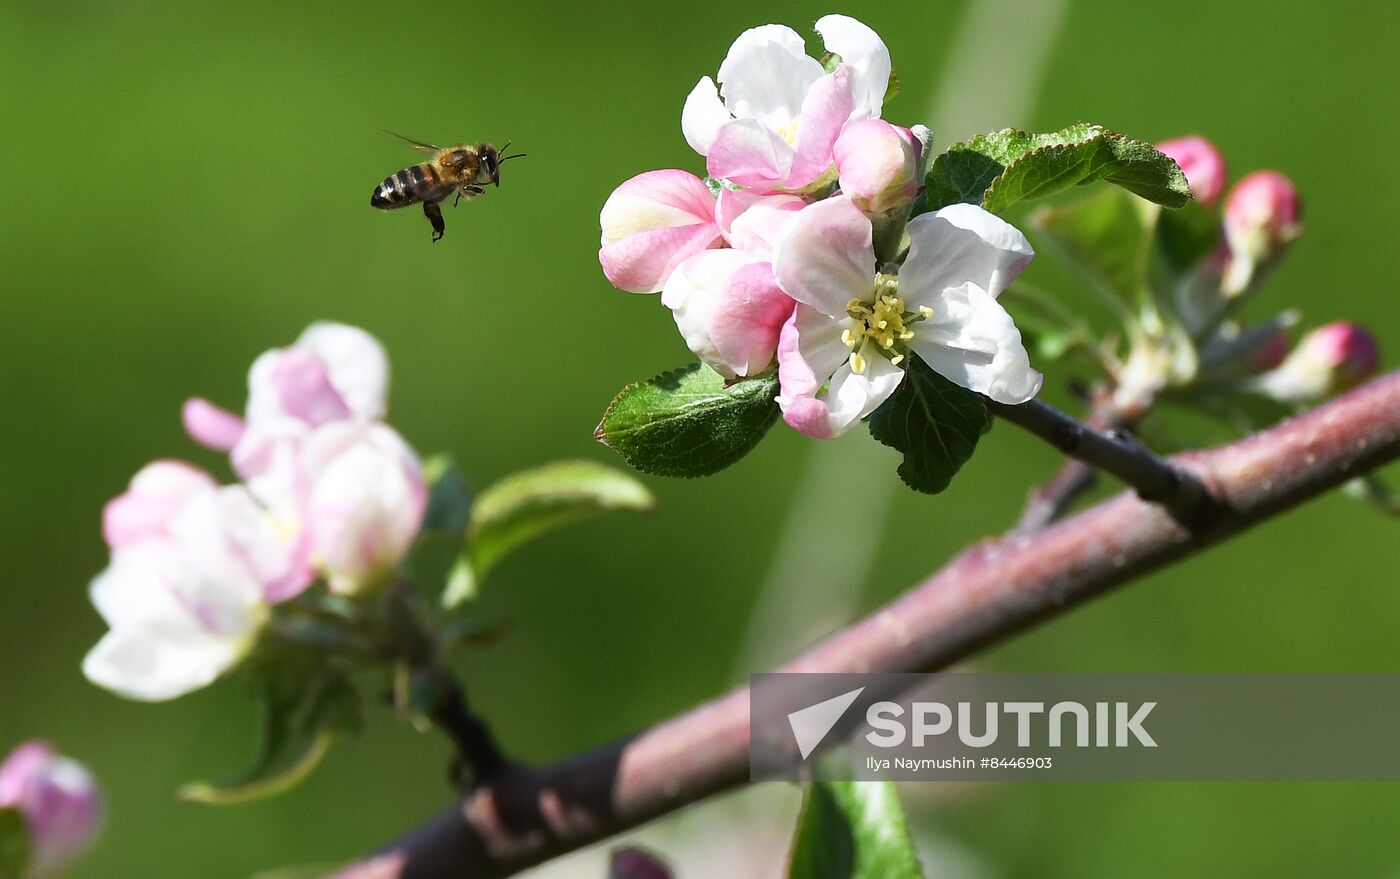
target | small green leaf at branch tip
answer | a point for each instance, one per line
(689, 422)
(935, 423)
(852, 830)
(1000, 169)
(305, 707)
(449, 497)
(14, 844)
(525, 505)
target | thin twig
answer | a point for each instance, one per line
(1053, 499)
(983, 596)
(1153, 477)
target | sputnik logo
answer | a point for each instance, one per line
(811, 724)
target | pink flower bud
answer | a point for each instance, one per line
(1262, 217)
(634, 863)
(879, 165)
(1202, 163)
(211, 426)
(730, 310)
(58, 800)
(651, 224)
(363, 499)
(1329, 360)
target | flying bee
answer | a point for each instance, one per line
(465, 170)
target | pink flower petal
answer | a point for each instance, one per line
(828, 105)
(747, 153)
(748, 317)
(156, 495)
(211, 426)
(827, 258)
(641, 263)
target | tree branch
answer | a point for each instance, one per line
(1153, 477)
(989, 592)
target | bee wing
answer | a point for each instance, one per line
(416, 144)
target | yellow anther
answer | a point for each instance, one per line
(858, 364)
(897, 359)
(925, 311)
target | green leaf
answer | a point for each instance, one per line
(14, 844)
(852, 830)
(449, 497)
(1106, 239)
(305, 706)
(525, 505)
(935, 423)
(687, 422)
(998, 170)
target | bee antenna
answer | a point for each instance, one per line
(513, 156)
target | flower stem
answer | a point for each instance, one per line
(1155, 478)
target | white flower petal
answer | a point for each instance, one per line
(961, 244)
(702, 115)
(826, 258)
(766, 75)
(971, 341)
(152, 667)
(863, 50)
(357, 365)
(851, 396)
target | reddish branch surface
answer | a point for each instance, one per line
(988, 592)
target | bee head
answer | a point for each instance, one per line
(490, 162)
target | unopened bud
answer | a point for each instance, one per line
(878, 164)
(1262, 217)
(1202, 164)
(635, 863)
(1329, 360)
(58, 800)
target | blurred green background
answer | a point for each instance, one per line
(187, 185)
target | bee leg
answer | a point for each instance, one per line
(469, 191)
(433, 212)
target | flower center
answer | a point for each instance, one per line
(882, 325)
(788, 132)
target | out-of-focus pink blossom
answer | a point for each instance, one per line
(651, 224)
(194, 567)
(1202, 164)
(1329, 360)
(362, 502)
(878, 165)
(58, 799)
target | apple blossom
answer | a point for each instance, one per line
(332, 372)
(1262, 217)
(186, 594)
(58, 800)
(855, 327)
(362, 502)
(1328, 360)
(1202, 164)
(652, 223)
(729, 309)
(878, 165)
(772, 122)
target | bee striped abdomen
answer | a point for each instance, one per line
(406, 187)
